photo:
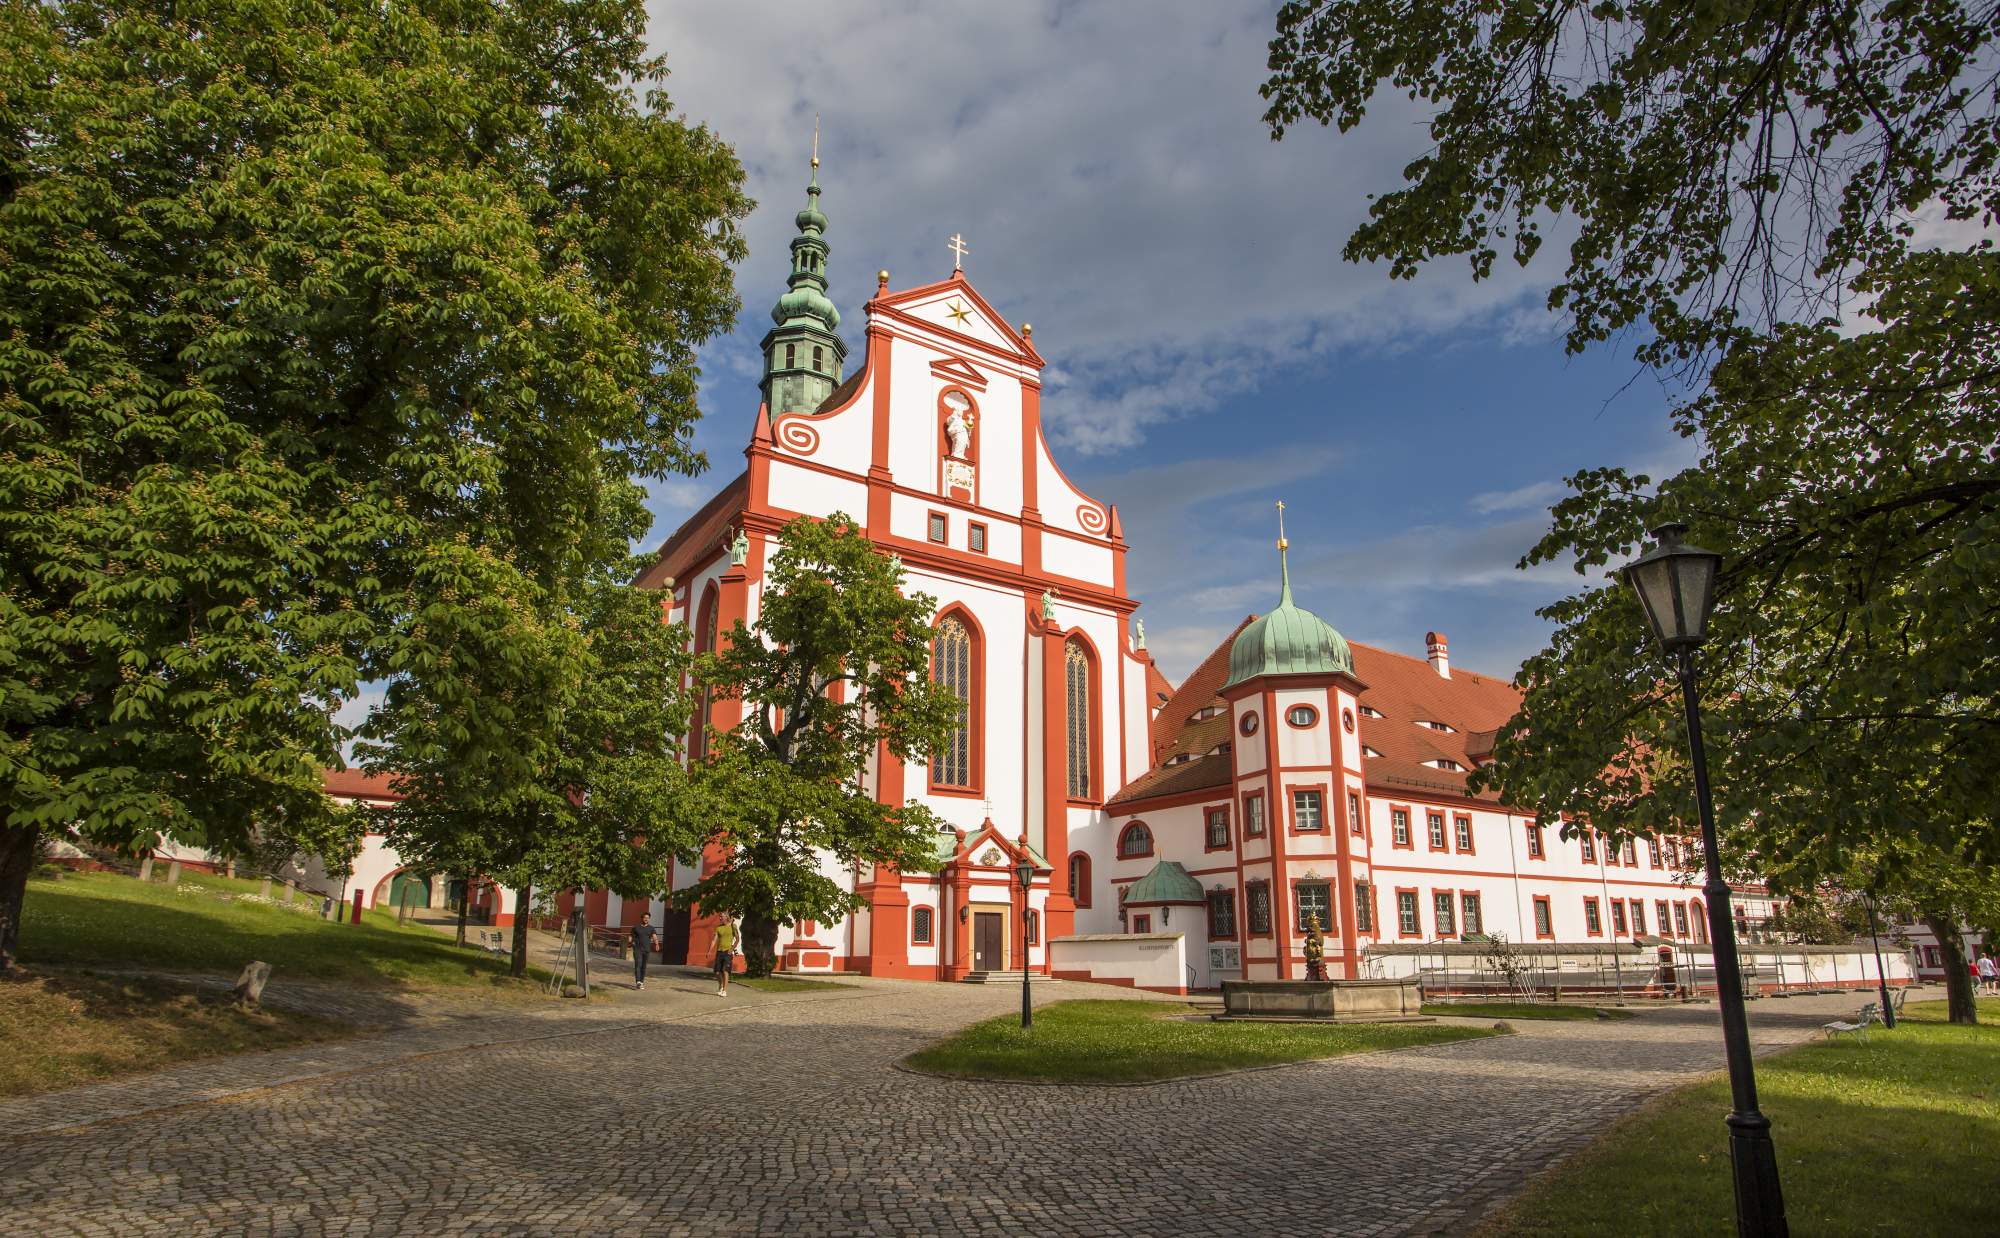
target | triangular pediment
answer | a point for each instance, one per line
(954, 307)
(953, 370)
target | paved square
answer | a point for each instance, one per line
(676, 1112)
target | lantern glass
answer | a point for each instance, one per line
(1025, 872)
(1676, 585)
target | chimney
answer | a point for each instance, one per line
(1434, 649)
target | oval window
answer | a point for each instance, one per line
(1302, 715)
(1248, 725)
(1347, 720)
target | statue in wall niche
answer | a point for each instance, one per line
(958, 426)
(1139, 635)
(1315, 949)
(739, 549)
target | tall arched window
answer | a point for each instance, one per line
(819, 357)
(791, 355)
(1135, 840)
(1079, 878)
(704, 642)
(952, 666)
(1076, 692)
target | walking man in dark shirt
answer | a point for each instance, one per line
(644, 937)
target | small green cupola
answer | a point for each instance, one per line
(803, 357)
(1291, 640)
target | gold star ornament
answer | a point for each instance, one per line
(956, 312)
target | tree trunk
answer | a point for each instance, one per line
(1961, 1005)
(521, 908)
(760, 942)
(464, 901)
(17, 860)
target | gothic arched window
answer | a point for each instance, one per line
(1079, 878)
(951, 667)
(704, 642)
(1076, 696)
(791, 355)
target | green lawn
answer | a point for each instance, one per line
(787, 984)
(213, 924)
(1521, 1010)
(1896, 1136)
(60, 1031)
(1135, 1041)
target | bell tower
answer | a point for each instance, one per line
(803, 357)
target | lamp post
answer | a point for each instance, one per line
(1676, 585)
(1025, 871)
(1881, 977)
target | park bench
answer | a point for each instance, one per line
(1898, 998)
(1858, 1026)
(493, 941)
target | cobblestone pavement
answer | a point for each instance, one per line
(676, 1112)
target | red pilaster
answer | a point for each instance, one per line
(1277, 819)
(1060, 915)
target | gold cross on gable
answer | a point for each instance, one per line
(959, 249)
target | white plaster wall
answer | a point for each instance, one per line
(813, 493)
(1079, 560)
(1249, 750)
(1308, 747)
(845, 438)
(1148, 960)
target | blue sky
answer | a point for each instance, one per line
(1209, 351)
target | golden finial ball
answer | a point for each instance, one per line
(1027, 328)
(882, 276)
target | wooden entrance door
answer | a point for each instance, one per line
(674, 936)
(989, 941)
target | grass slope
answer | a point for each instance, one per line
(214, 924)
(1136, 1041)
(1895, 1136)
(60, 1031)
(1521, 1010)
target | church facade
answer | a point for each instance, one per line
(1291, 777)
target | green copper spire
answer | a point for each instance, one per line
(1290, 640)
(803, 357)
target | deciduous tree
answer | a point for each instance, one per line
(293, 295)
(835, 670)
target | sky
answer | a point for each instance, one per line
(1209, 351)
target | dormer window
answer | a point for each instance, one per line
(1437, 726)
(1446, 763)
(1369, 711)
(1366, 751)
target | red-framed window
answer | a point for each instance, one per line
(1313, 898)
(957, 665)
(1142, 923)
(1080, 712)
(1434, 831)
(1399, 827)
(1631, 853)
(1472, 918)
(1663, 917)
(975, 537)
(1308, 806)
(1302, 716)
(1253, 814)
(1610, 849)
(1638, 916)
(937, 528)
(1587, 840)
(1364, 907)
(1535, 851)
(1680, 920)
(1697, 922)
(1079, 878)
(1246, 726)
(704, 642)
(1617, 917)
(1356, 822)
(1215, 827)
(1545, 923)
(1135, 841)
(1409, 918)
(1034, 927)
(1593, 919)
(1444, 912)
(922, 926)
(1257, 904)
(1461, 833)
(1653, 852)
(1222, 915)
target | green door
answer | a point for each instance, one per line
(419, 889)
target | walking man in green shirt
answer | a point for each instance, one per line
(725, 956)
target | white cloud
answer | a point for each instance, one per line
(1534, 496)
(1110, 170)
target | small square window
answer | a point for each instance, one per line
(1306, 812)
(1218, 828)
(975, 537)
(937, 527)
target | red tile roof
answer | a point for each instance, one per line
(1406, 691)
(699, 534)
(355, 784)
(1159, 689)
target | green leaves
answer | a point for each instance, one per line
(325, 328)
(835, 671)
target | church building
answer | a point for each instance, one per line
(1292, 777)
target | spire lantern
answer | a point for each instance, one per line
(1291, 640)
(803, 356)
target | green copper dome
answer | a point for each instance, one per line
(804, 358)
(1291, 640)
(805, 301)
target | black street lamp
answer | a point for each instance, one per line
(1025, 871)
(1881, 977)
(1676, 584)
